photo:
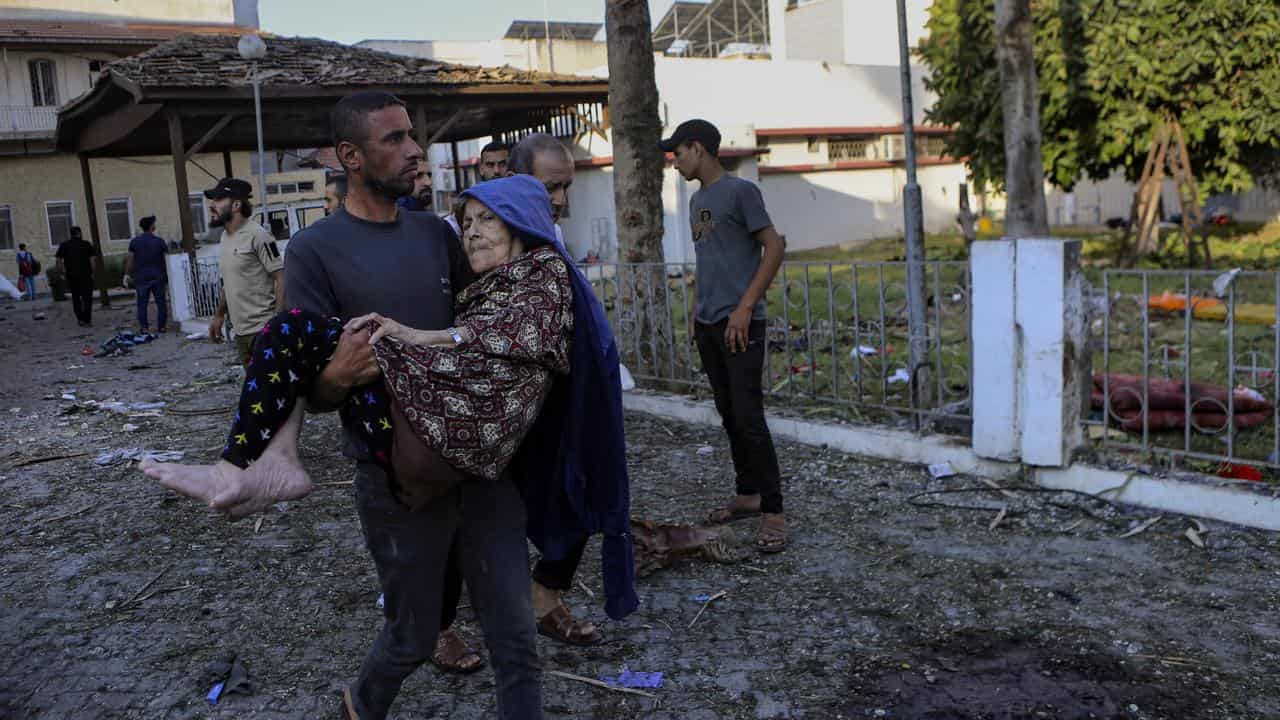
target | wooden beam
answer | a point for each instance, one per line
(204, 139)
(178, 152)
(98, 268)
(114, 126)
(420, 127)
(226, 164)
(440, 131)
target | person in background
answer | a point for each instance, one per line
(252, 267)
(493, 160)
(419, 200)
(27, 269)
(335, 192)
(738, 254)
(75, 263)
(146, 264)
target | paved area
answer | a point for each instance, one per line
(117, 595)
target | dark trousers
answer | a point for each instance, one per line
(81, 289)
(149, 289)
(550, 574)
(558, 574)
(411, 549)
(737, 382)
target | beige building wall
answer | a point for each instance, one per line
(570, 56)
(192, 11)
(27, 184)
(72, 77)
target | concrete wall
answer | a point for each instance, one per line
(189, 11)
(871, 30)
(27, 183)
(822, 209)
(590, 225)
(815, 31)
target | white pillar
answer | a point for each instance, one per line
(777, 29)
(996, 431)
(1050, 315)
(179, 297)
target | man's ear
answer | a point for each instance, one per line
(349, 155)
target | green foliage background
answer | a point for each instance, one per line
(1109, 71)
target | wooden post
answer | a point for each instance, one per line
(178, 150)
(98, 267)
(226, 164)
(420, 128)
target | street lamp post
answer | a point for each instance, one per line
(913, 226)
(253, 49)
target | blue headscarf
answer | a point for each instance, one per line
(572, 467)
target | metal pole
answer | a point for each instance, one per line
(262, 156)
(917, 328)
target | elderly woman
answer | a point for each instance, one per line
(531, 357)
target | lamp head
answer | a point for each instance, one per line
(252, 47)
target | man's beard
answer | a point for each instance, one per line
(220, 219)
(424, 199)
(392, 188)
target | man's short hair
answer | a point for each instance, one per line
(246, 207)
(522, 155)
(22, 246)
(339, 183)
(347, 120)
(76, 233)
(495, 146)
(147, 223)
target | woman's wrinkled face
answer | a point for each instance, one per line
(487, 240)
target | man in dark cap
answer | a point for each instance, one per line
(146, 264)
(251, 263)
(738, 254)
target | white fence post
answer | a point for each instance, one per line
(996, 431)
(1051, 320)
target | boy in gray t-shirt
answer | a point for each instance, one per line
(730, 229)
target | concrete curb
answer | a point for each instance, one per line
(1234, 502)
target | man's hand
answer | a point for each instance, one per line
(352, 365)
(215, 327)
(738, 328)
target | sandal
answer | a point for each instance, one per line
(730, 513)
(453, 655)
(561, 626)
(772, 536)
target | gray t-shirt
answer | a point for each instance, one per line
(725, 215)
(407, 270)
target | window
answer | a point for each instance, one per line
(61, 215)
(95, 66)
(6, 228)
(306, 216)
(847, 149)
(813, 145)
(199, 215)
(273, 189)
(306, 186)
(44, 92)
(119, 219)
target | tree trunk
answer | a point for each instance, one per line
(645, 323)
(1026, 214)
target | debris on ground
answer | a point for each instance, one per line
(631, 679)
(133, 454)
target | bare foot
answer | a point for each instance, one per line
(231, 490)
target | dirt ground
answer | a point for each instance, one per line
(117, 595)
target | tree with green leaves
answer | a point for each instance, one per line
(1109, 73)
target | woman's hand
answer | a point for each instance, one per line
(385, 327)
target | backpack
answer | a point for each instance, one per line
(35, 266)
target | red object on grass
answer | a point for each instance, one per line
(1239, 472)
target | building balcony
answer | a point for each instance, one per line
(19, 122)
